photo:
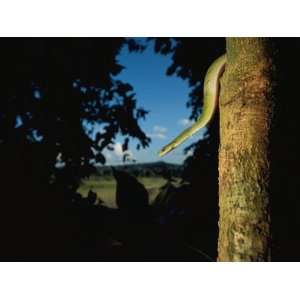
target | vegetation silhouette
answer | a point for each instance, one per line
(55, 90)
(131, 196)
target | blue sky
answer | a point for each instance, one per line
(163, 96)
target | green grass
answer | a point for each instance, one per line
(105, 188)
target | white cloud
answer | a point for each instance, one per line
(185, 122)
(118, 151)
(130, 154)
(158, 135)
(159, 129)
(158, 132)
(108, 155)
(59, 156)
(190, 152)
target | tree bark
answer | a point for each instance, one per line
(246, 98)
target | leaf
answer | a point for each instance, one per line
(125, 144)
(99, 157)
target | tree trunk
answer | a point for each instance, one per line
(245, 117)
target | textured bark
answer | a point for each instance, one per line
(245, 119)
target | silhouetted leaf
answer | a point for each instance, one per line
(125, 145)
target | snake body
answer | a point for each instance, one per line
(210, 103)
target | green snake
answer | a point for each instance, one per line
(210, 103)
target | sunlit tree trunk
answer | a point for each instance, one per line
(245, 117)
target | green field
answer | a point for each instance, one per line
(105, 187)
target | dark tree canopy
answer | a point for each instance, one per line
(53, 93)
(54, 90)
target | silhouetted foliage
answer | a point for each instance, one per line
(131, 195)
(54, 93)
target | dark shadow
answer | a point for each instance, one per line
(284, 150)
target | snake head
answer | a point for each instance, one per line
(166, 149)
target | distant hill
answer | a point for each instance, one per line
(145, 169)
